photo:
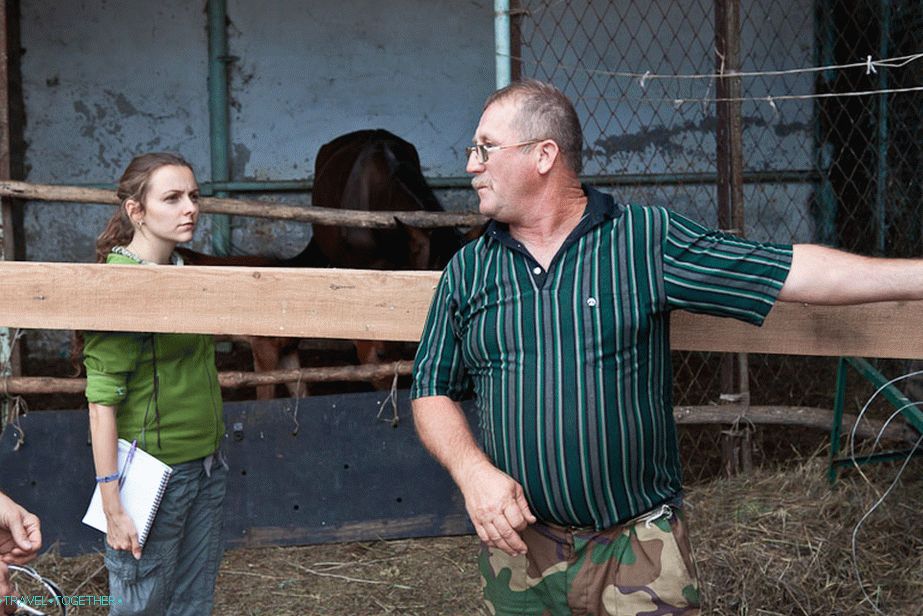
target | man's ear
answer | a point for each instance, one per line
(548, 153)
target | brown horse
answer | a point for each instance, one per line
(377, 171)
(367, 170)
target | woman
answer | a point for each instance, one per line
(160, 390)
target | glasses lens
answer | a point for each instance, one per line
(481, 152)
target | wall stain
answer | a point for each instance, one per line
(667, 139)
(123, 105)
(239, 160)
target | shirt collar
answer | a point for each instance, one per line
(600, 207)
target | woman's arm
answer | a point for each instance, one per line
(121, 533)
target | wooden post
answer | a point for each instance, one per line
(729, 144)
(10, 363)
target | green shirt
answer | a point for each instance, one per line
(187, 421)
(570, 367)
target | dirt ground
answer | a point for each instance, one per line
(773, 542)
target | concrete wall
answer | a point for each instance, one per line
(104, 80)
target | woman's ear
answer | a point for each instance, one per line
(135, 211)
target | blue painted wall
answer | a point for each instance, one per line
(104, 80)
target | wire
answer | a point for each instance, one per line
(855, 532)
(881, 499)
(852, 433)
(771, 100)
(868, 64)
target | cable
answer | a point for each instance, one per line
(881, 499)
(868, 64)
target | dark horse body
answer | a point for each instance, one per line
(367, 170)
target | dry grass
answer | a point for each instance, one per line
(775, 542)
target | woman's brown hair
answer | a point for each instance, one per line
(119, 230)
(132, 185)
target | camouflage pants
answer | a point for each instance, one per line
(642, 568)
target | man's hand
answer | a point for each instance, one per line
(497, 507)
(6, 590)
(20, 533)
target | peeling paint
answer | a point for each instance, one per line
(124, 106)
(665, 139)
(239, 161)
(659, 137)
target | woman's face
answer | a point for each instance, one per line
(171, 205)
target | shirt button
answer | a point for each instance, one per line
(537, 271)
(591, 301)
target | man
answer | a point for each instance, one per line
(558, 319)
(20, 541)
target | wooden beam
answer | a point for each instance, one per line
(302, 303)
(256, 209)
(377, 305)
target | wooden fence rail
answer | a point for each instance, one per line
(257, 209)
(377, 305)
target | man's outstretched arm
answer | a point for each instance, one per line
(825, 276)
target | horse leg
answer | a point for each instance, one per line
(419, 246)
(290, 361)
(373, 352)
(265, 358)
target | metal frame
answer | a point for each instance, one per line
(910, 410)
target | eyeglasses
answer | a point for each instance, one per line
(484, 151)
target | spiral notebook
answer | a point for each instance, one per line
(145, 482)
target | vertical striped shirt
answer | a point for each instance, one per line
(570, 367)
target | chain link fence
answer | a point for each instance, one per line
(842, 170)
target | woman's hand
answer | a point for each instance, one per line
(121, 533)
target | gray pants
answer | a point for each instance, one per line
(179, 563)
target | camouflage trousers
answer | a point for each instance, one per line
(641, 568)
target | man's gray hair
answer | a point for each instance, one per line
(544, 112)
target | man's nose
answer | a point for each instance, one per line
(474, 164)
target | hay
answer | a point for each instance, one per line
(780, 543)
(774, 542)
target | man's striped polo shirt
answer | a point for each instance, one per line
(571, 367)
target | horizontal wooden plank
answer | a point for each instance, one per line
(375, 305)
(305, 303)
(884, 329)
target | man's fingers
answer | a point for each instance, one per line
(481, 531)
(524, 508)
(5, 590)
(514, 515)
(506, 538)
(33, 528)
(20, 537)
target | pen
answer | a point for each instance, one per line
(131, 454)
